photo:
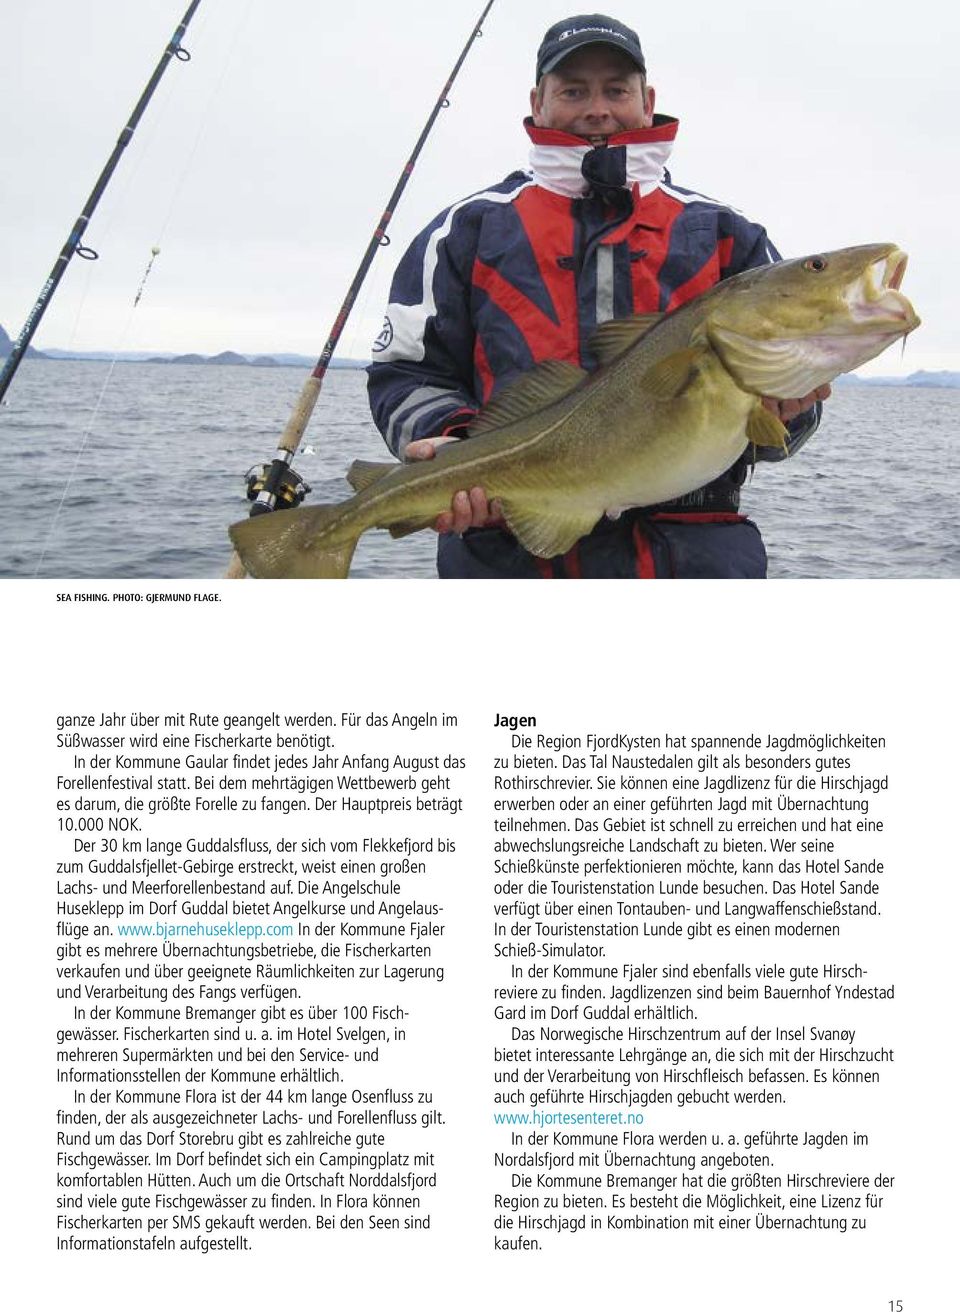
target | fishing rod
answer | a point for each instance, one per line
(73, 245)
(277, 486)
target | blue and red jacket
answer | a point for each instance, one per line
(526, 271)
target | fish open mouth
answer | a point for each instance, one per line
(858, 317)
(895, 268)
(875, 298)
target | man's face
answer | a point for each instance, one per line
(595, 93)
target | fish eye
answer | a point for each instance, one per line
(816, 263)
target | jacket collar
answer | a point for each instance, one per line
(569, 166)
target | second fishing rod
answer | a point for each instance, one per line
(73, 245)
(276, 486)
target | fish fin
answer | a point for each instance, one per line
(765, 429)
(364, 472)
(544, 531)
(533, 391)
(283, 545)
(667, 379)
(617, 335)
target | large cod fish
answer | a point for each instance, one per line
(674, 402)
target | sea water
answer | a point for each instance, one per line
(135, 471)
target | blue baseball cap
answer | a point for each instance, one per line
(572, 34)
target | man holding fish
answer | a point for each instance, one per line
(616, 350)
(528, 271)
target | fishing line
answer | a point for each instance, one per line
(277, 484)
(104, 233)
(112, 207)
(140, 149)
(98, 405)
(188, 159)
(377, 284)
(74, 244)
(155, 251)
(114, 201)
(381, 273)
(63, 496)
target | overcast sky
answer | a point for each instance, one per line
(261, 166)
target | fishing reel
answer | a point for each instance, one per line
(284, 485)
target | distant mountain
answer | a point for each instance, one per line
(265, 361)
(308, 361)
(123, 357)
(922, 378)
(277, 359)
(6, 347)
(938, 378)
(259, 361)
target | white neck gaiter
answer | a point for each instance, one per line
(569, 166)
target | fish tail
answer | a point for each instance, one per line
(297, 544)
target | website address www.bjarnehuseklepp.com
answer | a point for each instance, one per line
(204, 929)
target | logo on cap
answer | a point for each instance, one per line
(575, 31)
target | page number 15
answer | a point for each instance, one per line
(895, 1304)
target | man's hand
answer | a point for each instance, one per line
(787, 410)
(467, 509)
